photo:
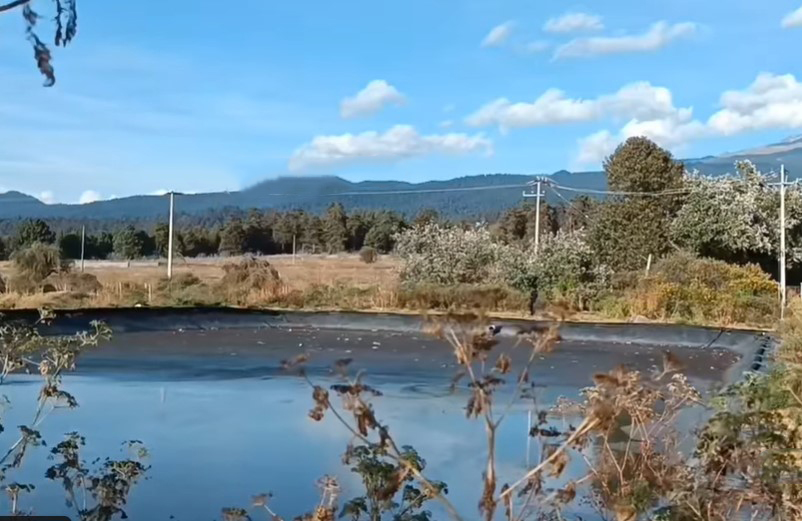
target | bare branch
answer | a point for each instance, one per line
(12, 5)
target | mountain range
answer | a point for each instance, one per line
(471, 196)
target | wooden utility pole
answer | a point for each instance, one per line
(83, 246)
(783, 289)
(537, 195)
(170, 239)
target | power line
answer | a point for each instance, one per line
(676, 191)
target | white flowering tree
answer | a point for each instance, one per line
(446, 255)
(737, 217)
(564, 268)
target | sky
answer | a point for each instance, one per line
(202, 96)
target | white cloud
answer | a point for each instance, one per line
(769, 102)
(637, 100)
(47, 197)
(160, 191)
(370, 100)
(399, 142)
(792, 20)
(594, 148)
(498, 34)
(537, 47)
(658, 36)
(573, 22)
(89, 196)
(447, 123)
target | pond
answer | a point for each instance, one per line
(223, 423)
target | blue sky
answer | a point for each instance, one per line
(199, 96)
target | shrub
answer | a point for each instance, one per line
(700, 290)
(84, 283)
(435, 254)
(38, 261)
(368, 255)
(463, 297)
(564, 269)
(248, 278)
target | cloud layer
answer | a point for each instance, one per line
(89, 196)
(573, 22)
(770, 102)
(658, 36)
(637, 100)
(498, 35)
(792, 20)
(375, 96)
(399, 142)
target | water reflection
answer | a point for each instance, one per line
(216, 442)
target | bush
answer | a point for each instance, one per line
(435, 254)
(84, 283)
(463, 297)
(249, 279)
(564, 269)
(698, 290)
(368, 255)
(34, 265)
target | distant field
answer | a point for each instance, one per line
(303, 271)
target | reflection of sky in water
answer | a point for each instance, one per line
(216, 443)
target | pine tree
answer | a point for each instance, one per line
(335, 228)
(628, 228)
(233, 239)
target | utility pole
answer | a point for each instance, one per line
(783, 289)
(83, 247)
(537, 195)
(170, 239)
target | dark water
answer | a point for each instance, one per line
(223, 423)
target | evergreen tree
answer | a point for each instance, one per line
(70, 246)
(628, 228)
(258, 234)
(32, 231)
(359, 223)
(128, 243)
(382, 234)
(335, 228)
(161, 236)
(233, 240)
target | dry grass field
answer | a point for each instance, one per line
(126, 283)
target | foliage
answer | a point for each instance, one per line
(462, 298)
(32, 231)
(699, 290)
(128, 243)
(70, 245)
(248, 276)
(447, 255)
(37, 262)
(66, 21)
(368, 255)
(103, 490)
(335, 228)
(563, 270)
(628, 228)
(233, 239)
(733, 218)
(3, 252)
(161, 238)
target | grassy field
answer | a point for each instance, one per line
(298, 276)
